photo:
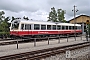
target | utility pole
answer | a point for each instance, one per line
(74, 10)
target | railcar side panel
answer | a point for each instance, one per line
(21, 33)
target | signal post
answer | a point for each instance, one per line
(87, 29)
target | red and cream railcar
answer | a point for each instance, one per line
(29, 28)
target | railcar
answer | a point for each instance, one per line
(30, 28)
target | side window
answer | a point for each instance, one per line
(43, 27)
(48, 27)
(66, 27)
(63, 27)
(26, 26)
(54, 27)
(73, 28)
(58, 27)
(29, 27)
(70, 27)
(22, 26)
(78, 27)
(36, 26)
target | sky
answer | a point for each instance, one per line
(39, 9)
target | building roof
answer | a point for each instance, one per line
(79, 16)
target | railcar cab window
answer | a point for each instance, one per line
(58, 27)
(43, 27)
(54, 27)
(48, 27)
(36, 26)
(15, 25)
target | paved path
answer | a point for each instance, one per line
(27, 47)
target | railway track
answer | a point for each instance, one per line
(37, 55)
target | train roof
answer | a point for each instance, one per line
(45, 22)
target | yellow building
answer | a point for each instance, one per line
(81, 20)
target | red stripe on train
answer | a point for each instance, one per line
(20, 33)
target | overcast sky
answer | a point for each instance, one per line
(39, 9)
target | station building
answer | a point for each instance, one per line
(81, 20)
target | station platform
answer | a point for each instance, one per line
(27, 47)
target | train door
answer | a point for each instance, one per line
(59, 29)
(28, 29)
(22, 28)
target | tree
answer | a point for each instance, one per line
(61, 13)
(1, 19)
(52, 15)
(7, 24)
(1, 16)
(56, 16)
(26, 18)
(13, 18)
(4, 25)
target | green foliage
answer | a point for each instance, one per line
(61, 13)
(56, 16)
(87, 30)
(4, 25)
(1, 16)
(3, 33)
(53, 15)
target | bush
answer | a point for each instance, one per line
(4, 34)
